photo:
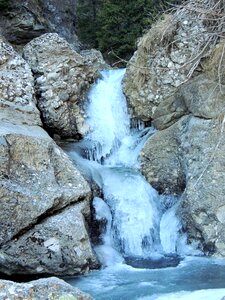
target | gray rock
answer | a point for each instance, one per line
(62, 80)
(17, 98)
(189, 154)
(201, 96)
(36, 177)
(25, 20)
(42, 289)
(161, 161)
(95, 58)
(203, 207)
(58, 245)
(44, 200)
(176, 79)
(164, 60)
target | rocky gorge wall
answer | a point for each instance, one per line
(176, 81)
(44, 199)
(24, 20)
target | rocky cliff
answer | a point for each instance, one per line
(24, 20)
(176, 80)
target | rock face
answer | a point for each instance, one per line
(188, 156)
(95, 58)
(44, 200)
(62, 80)
(58, 245)
(200, 96)
(42, 289)
(25, 20)
(164, 61)
(161, 161)
(185, 156)
(202, 205)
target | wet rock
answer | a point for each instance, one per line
(153, 263)
(202, 205)
(42, 289)
(161, 160)
(195, 149)
(62, 80)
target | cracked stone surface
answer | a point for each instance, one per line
(62, 79)
(44, 200)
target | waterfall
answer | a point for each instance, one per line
(108, 120)
(138, 225)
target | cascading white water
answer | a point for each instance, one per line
(135, 215)
(108, 120)
(136, 221)
(113, 148)
(107, 255)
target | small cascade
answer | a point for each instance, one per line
(108, 120)
(138, 224)
(133, 205)
(106, 253)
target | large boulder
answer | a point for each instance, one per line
(62, 78)
(57, 245)
(44, 200)
(42, 289)
(167, 56)
(24, 20)
(36, 176)
(161, 160)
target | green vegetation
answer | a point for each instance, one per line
(87, 21)
(113, 26)
(4, 4)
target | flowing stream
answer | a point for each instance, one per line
(141, 228)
